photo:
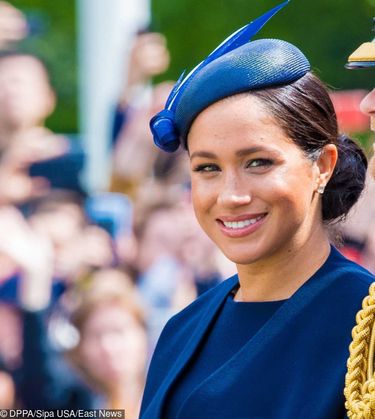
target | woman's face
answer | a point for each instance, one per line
(253, 190)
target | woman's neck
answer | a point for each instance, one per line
(280, 275)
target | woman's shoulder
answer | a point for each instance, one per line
(348, 269)
(348, 275)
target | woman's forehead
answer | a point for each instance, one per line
(240, 116)
(237, 109)
(239, 127)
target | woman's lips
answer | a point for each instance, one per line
(241, 226)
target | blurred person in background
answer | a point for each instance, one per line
(176, 261)
(78, 246)
(106, 368)
(113, 348)
(163, 280)
(26, 95)
(13, 25)
(49, 251)
(199, 255)
(10, 336)
(26, 100)
(58, 219)
(106, 365)
(113, 212)
(19, 247)
(55, 244)
(7, 390)
(10, 352)
(135, 160)
(359, 229)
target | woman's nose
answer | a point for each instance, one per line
(234, 193)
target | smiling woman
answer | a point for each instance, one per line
(269, 171)
(254, 165)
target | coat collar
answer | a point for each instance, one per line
(182, 360)
(293, 306)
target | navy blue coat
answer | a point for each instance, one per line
(292, 368)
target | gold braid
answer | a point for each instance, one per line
(360, 380)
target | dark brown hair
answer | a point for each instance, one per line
(306, 113)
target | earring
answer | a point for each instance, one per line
(321, 189)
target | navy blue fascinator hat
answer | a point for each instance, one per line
(237, 65)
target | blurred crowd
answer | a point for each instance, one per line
(87, 281)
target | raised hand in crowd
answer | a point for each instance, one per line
(149, 57)
(35, 145)
(30, 255)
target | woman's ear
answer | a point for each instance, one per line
(325, 165)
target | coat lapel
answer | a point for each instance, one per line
(268, 336)
(206, 319)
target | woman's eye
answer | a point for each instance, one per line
(206, 168)
(259, 163)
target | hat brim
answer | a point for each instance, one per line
(357, 65)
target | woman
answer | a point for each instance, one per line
(269, 173)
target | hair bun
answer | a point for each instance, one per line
(347, 181)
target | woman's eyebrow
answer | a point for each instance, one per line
(251, 150)
(204, 154)
(239, 153)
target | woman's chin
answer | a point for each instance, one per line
(242, 258)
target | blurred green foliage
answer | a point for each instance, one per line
(52, 37)
(326, 30)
